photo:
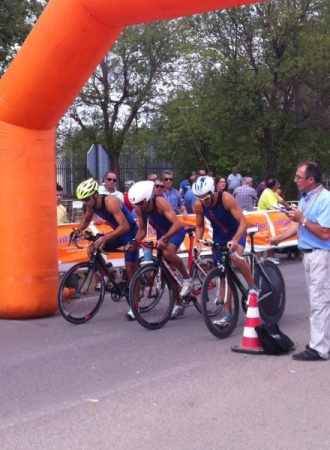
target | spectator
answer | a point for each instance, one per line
(234, 180)
(152, 177)
(61, 210)
(201, 172)
(311, 220)
(261, 187)
(128, 184)
(221, 183)
(172, 195)
(269, 198)
(184, 185)
(109, 186)
(280, 191)
(190, 197)
(158, 188)
(245, 195)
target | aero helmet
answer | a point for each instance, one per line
(203, 185)
(129, 183)
(87, 188)
(142, 190)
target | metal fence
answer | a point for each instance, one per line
(69, 173)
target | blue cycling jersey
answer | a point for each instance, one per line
(161, 224)
(223, 222)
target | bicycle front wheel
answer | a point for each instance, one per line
(151, 296)
(271, 298)
(81, 293)
(198, 274)
(220, 305)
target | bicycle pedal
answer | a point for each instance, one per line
(185, 301)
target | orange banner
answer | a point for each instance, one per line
(269, 223)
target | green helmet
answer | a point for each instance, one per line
(87, 188)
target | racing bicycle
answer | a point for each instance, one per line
(83, 286)
(222, 285)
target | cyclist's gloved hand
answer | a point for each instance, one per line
(130, 246)
(75, 234)
(197, 250)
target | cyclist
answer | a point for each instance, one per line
(170, 232)
(116, 214)
(228, 224)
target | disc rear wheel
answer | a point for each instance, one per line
(271, 302)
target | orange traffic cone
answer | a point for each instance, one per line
(250, 342)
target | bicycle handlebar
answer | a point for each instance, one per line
(86, 235)
(218, 246)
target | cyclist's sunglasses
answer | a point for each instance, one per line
(203, 199)
(140, 203)
(88, 198)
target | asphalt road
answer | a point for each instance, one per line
(111, 384)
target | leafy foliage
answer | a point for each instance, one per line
(17, 18)
(245, 86)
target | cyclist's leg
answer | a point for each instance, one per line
(171, 256)
(224, 292)
(242, 265)
(131, 259)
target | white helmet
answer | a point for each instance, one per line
(142, 190)
(203, 185)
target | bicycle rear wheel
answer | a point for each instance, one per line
(220, 305)
(151, 296)
(198, 275)
(271, 302)
(81, 293)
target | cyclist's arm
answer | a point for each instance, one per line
(199, 231)
(166, 209)
(232, 206)
(113, 206)
(86, 220)
(141, 234)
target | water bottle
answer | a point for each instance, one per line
(147, 253)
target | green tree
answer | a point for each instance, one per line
(122, 93)
(17, 19)
(260, 95)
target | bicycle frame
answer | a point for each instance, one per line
(97, 259)
(193, 259)
(227, 266)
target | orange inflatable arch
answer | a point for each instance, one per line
(66, 44)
